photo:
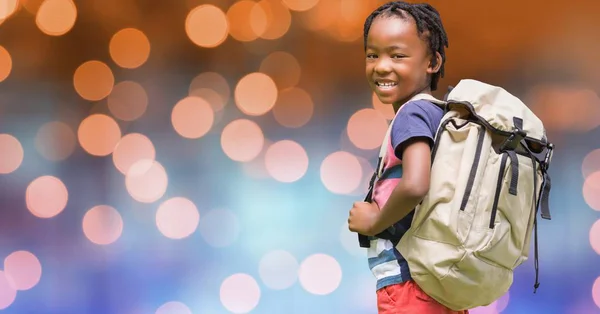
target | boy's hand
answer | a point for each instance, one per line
(363, 217)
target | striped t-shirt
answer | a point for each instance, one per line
(418, 118)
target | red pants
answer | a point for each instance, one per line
(408, 298)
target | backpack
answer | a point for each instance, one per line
(489, 176)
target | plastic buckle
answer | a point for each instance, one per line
(513, 140)
(548, 158)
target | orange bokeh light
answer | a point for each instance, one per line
(286, 161)
(386, 110)
(32, 6)
(93, 80)
(213, 82)
(177, 218)
(294, 108)
(56, 17)
(192, 117)
(366, 128)
(12, 153)
(242, 140)
(128, 101)
(283, 68)
(255, 94)
(278, 19)
(8, 8)
(206, 26)
(596, 291)
(300, 5)
(591, 190)
(24, 269)
(130, 149)
(5, 63)
(146, 181)
(46, 196)
(102, 225)
(239, 17)
(129, 48)
(341, 172)
(98, 134)
(55, 141)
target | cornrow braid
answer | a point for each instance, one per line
(427, 19)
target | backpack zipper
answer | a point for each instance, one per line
(498, 189)
(473, 172)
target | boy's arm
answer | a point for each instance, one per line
(412, 188)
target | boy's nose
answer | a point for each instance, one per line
(383, 66)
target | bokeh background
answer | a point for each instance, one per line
(176, 157)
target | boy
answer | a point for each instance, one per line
(404, 45)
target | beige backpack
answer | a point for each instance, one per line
(489, 172)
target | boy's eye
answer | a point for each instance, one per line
(371, 56)
(398, 56)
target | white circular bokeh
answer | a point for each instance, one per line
(278, 269)
(350, 242)
(239, 293)
(320, 274)
(173, 307)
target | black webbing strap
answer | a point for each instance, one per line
(514, 170)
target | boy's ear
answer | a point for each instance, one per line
(438, 64)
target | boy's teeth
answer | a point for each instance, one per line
(386, 84)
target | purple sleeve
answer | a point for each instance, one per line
(417, 119)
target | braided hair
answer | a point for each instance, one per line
(427, 19)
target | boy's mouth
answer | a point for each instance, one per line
(384, 85)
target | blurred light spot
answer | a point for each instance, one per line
(591, 190)
(98, 134)
(8, 293)
(24, 269)
(548, 103)
(294, 107)
(129, 48)
(146, 181)
(502, 303)
(130, 149)
(341, 172)
(211, 97)
(595, 236)
(242, 140)
(283, 68)
(239, 17)
(256, 168)
(320, 274)
(322, 15)
(219, 228)
(300, 5)
(240, 293)
(386, 110)
(93, 80)
(490, 309)
(5, 63)
(173, 307)
(349, 243)
(8, 8)
(206, 26)
(32, 6)
(12, 153)
(177, 218)
(367, 172)
(102, 225)
(128, 101)
(212, 81)
(278, 269)
(591, 163)
(55, 141)
(367, 128)
(278, 18)
(349, 23)
(46, 196)
(192, 117)
(286, 161)
(56, 17)
(255, 94)
(257, 19)
(596, 291)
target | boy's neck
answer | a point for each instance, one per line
(398, 104)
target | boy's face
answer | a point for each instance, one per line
(398, 60)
